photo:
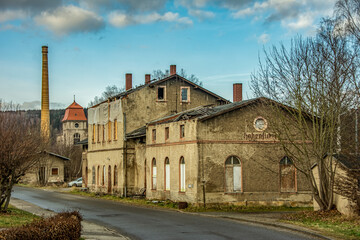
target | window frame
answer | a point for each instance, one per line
(281, 175)
(115, 130)
(57, 170)
(164, 93)
(167, 175)
(93, 175)
(182, 131)
(188, 95)
(109, 131)
(182, 175)
(153, 183)
(231, 166)
(77, 137)
(94, 133)
(115, 176)
(153, 135)
(167, 133)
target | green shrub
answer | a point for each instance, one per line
(65, 225)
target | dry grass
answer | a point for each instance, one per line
(329, 222)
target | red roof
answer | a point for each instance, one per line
(74, 112)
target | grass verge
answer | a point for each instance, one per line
(16, 217)
(331, 223)
(191, 208)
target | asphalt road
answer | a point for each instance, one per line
(147, 223)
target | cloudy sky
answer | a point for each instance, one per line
(93, 43)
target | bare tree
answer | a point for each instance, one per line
(314, 80)
(110, 91)
(20, 149)
(348, 13)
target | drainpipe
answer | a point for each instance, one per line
(125, 157)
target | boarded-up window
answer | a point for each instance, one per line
(287, 175)
(153, 174)
(54, 171)
(115, 130)
(182, 174)
(93, 136)
(115, 176)
(109, 131)
(233, 174)
(167, 174)
(93, 175)
(103, 176)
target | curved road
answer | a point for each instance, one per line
(147, 223)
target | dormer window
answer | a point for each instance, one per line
(161, 96)
(185, 94)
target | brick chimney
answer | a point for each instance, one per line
(172, 69)
(45, 112)
(237, 92)
(147, 78)
(128, 83)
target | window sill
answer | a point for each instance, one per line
(161, 101)
(233, 193)
(181, 192)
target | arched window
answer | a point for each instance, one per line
(76, 137)
(233, 174)
(115, 176)
(93, 175)
(153, 173)
(287, 175)
(103, 176)
(167, 174)
(182, 174)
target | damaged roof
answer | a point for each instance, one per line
(205, 112)
(155, 82)
(140, 132)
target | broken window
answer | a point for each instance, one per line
(182, 131)
(161, 93)
(153, 174)
(154, 135)
(76, 138)
(167, 133)
(54, 171)
(185, 94)
(182, 174)
(233, 174)
(287, 175)
(167, 174)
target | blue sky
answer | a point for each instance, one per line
(93, 43)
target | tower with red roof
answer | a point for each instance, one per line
(74, 124)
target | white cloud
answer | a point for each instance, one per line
(264, 38)
(8, 15)
(201, 14)
(70, 19)
(118, 19)
(293, 14)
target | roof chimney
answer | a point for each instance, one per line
(147, 78)
(172, 69)
(45, 112)
(128, 83)
(237, 92)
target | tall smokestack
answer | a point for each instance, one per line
(237, 92)
(45, 112)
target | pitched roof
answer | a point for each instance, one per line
(206, 112)
(350, 162)
(156, 82)
(57, 155)
(74, 112)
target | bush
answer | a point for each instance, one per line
(66, 225)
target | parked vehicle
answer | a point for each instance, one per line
(76, 183)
